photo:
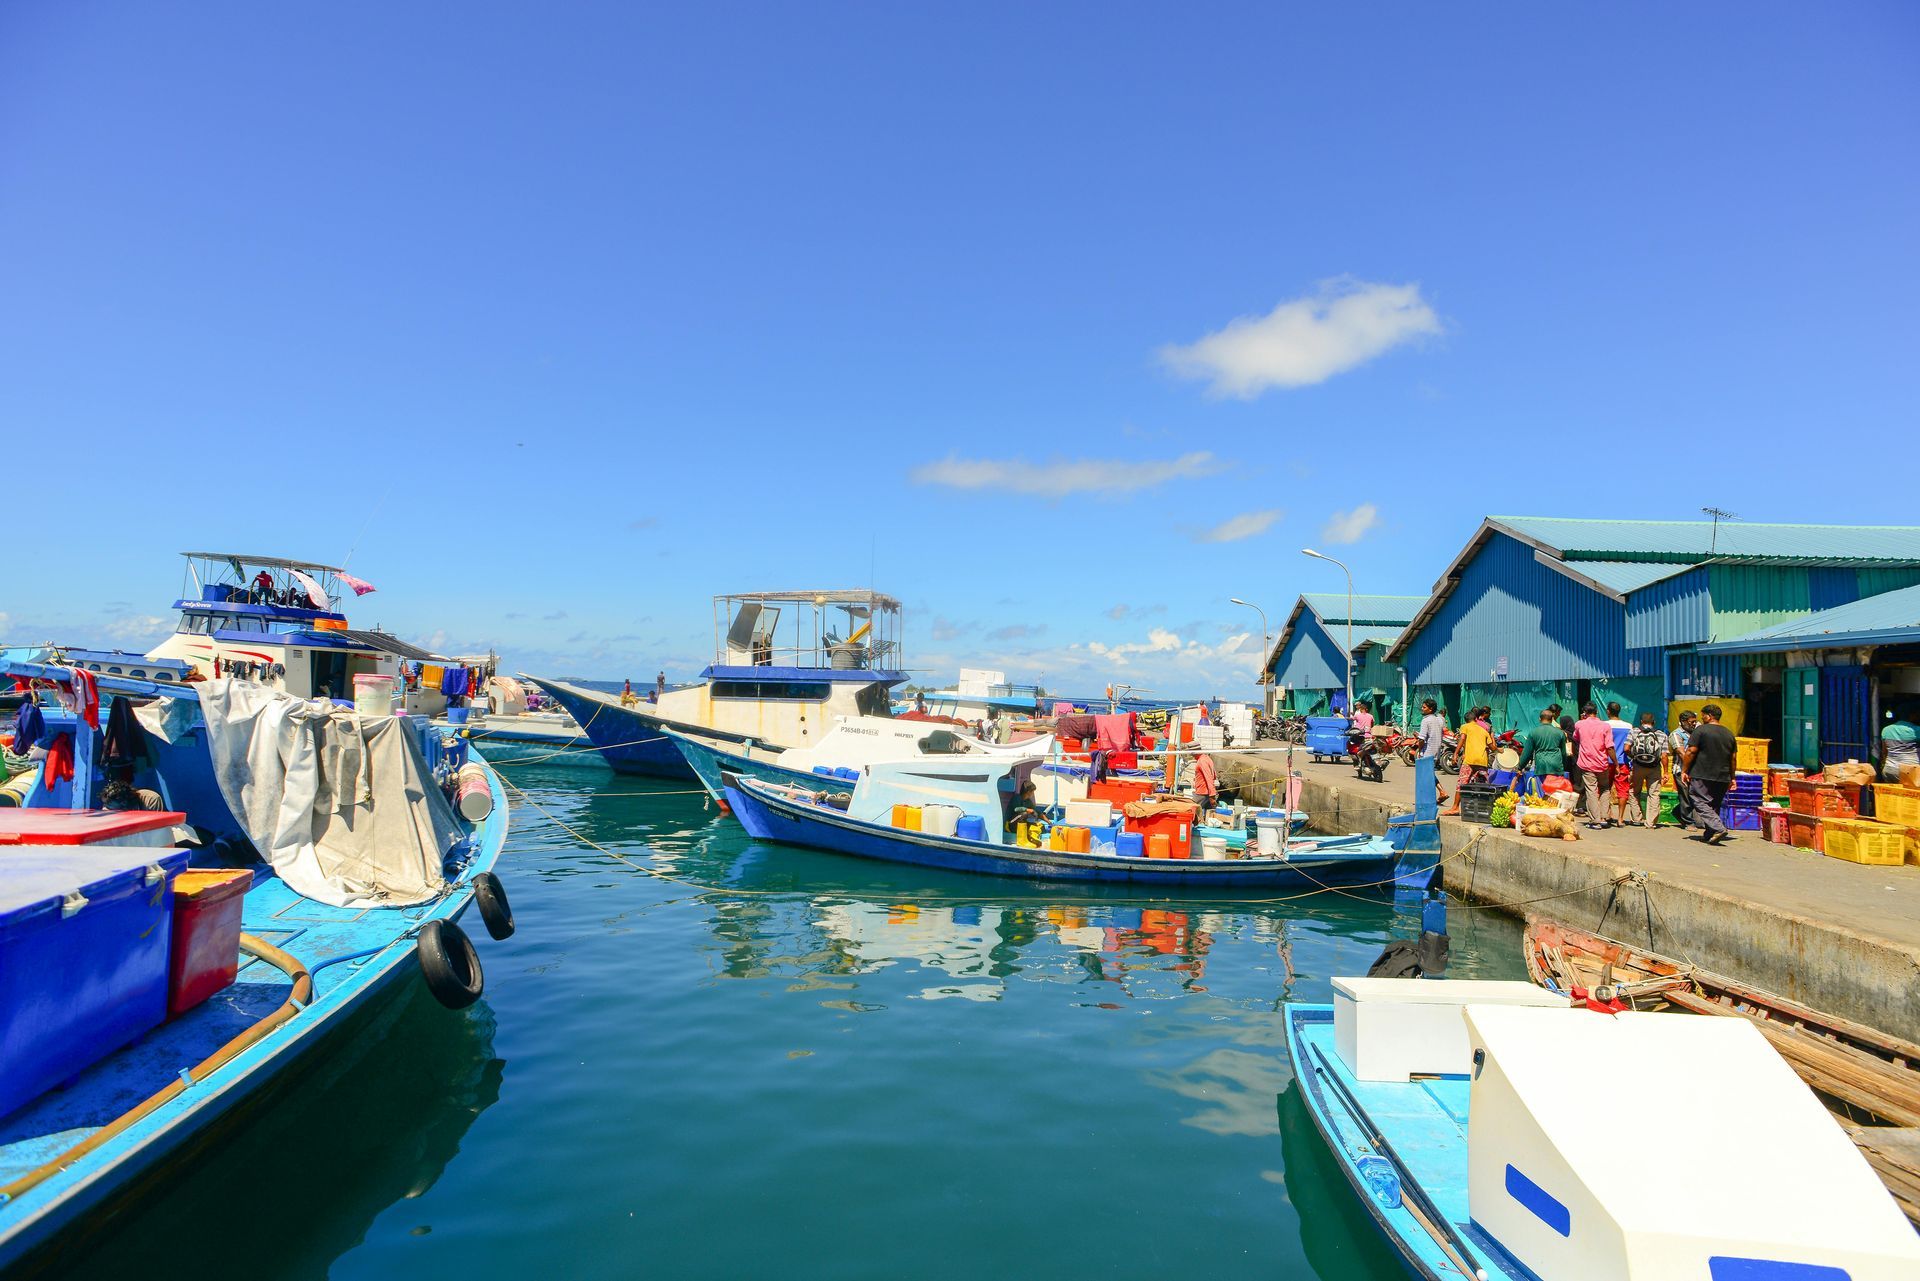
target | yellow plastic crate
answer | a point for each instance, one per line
(1750, 755)
(1861, 840)
(1895, 804)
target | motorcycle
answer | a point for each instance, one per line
(1370, 754)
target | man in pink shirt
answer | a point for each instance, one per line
(1593, 757)
(1363, 718)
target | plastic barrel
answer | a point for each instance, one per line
(1129, 845)
(1159, 845)
(471, 795)
(1079, 840)
(907, 817)
(971, 827)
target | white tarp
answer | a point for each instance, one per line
(342, 808)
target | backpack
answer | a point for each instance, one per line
(1644, 746)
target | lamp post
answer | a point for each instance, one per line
(1308, 551)
(1266, 677)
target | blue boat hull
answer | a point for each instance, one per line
(357, 956)
(630, 740)
(710, 763)
(773, 818)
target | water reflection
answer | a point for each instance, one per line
(299, 1179)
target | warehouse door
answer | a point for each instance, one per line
(1800, 718)
(1846, 714)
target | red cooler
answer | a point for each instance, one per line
(206, 935)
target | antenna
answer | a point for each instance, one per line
(1718, 516)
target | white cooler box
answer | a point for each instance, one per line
(1395, 1029)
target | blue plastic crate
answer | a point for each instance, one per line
(84, 932)
(1740, 818)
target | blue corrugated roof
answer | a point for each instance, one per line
(1687, 539)
(1332, 608)
(1889, 618)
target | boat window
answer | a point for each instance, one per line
(873, 700)
(777, 691)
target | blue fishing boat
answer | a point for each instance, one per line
(769, 685)
(1489, 1137)
(976, 798)
(156, 974)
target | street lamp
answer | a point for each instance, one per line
(1308, 551)
(1266, 677)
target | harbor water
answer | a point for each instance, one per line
(787, 1063)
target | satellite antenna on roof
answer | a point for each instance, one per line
(1718, 516)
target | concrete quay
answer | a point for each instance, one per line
(1831, 934)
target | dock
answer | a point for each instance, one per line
(1838, 936)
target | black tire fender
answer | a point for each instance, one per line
(490, 896)
(449, 964)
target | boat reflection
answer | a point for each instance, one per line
(298, 1178)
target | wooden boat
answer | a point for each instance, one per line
(140, 1107)
(797, 816)
(1868, 1079)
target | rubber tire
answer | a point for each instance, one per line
(495, 912)
(1409, 754)
(449, 964)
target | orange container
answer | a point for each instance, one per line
(1773, 823)
(1778, 775)
(1057, 839)
(1079, 840)
(1177, 828)
(1159, 845)
(1824, 800)
(1803, 832)
(1120, 791)
(907, 817)
(1186, 733)
(205, 953)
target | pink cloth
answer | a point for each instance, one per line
(1113, 732)
(1593, 740)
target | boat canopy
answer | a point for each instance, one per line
(848, 629)
(1724, 1157)
(302, 583)
(983, 788)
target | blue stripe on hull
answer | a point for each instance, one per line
(771, 819)
(629, 740)
(708, 762)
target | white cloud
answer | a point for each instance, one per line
(138, 630)
(1108, 477)
(1305, 340)
(1350, 527)
(6, 623)
(1245, 525)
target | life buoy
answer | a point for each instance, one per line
(449, 964)
(495, 912)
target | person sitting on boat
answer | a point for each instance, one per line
(1026, 807)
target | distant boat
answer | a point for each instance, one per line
(847, 748)
(796, 816)
(103, 1104)
(764, 688)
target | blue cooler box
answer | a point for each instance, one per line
(84, 935)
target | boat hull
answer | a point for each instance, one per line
(630, 740)
(710, 763)
(770, 817)
(358, 957)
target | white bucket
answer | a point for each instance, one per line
(1268, 835)
(471, 795)
(373, 695)
(1213, 849)
(940, 820)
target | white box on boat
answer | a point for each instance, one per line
(1090, 813)
(1726, 1164)
(1394, 1029)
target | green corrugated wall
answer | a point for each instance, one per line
(1635, 694)
(1747, 598)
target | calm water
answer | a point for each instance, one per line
(824, 1069)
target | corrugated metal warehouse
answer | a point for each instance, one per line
(1310, 657)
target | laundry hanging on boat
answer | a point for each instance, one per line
(454, 684)
(29, 726)
(86, 696)
(1113, 731)
(431, 675)
(125, 745)
(1080, 725)
(58, 765)
(343, 809)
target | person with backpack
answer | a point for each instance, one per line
(1644, 747)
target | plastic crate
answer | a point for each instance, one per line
(1750, 754)
(1895, 804)
(1748, 785)
(1805, 832)
(1823, 800)
(1740, 818)
(1773, 824)
(1476, 801)
(1777, 776)
(1859, 840)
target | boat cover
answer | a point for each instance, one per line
(342, 808)
(1612, 1147)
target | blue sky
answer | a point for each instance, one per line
(1063, 323)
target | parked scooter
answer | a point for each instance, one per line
(1370, 754)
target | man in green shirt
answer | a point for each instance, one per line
(1546, 748)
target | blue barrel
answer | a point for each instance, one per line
(971, 827)
(1130, 845)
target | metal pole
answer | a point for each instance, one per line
(1266, 677)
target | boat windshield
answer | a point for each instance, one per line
(845, 630)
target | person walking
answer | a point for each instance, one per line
(1710, 772)
(1433, 734)
(1476, 751)
(1677, 743)
(1622, 775)
(1644, 747)
(1544, 748)
(1593, 755)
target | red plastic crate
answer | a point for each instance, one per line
(205, 953)
(1803, 832)
(1177, 828)
(1825, 800)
